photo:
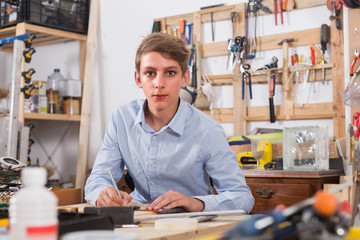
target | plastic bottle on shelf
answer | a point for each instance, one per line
(53, 86)
(33, 210)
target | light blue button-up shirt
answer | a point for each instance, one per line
(182, 156)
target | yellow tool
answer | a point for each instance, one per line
(246, 160)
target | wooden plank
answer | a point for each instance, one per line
(55, 32)
(174, 20)
(337, 51)
(20, 29)
(221, 115)
(299, 5)
(54, 117)
(301, 38)
(240, 125)
(269, 42)
(214, 49)
(81, 168)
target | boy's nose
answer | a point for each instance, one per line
(159, 81)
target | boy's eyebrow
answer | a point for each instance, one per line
(167, 68)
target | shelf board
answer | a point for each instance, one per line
(44, 35)
(55, 117)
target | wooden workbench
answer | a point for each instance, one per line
(148, 232)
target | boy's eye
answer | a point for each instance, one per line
(171, 73)
(149, 74)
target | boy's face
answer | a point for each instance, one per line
(161, 79)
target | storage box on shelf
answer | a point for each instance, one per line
(69, 15)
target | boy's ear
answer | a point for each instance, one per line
(137, 79)
(185, 78)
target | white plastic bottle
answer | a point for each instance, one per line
(53, 89)
(33, 210)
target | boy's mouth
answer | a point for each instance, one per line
(159, 96)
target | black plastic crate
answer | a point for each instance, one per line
(69, 15)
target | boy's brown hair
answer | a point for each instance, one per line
(168, 46)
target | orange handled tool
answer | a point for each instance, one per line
(356, 56)
(284, 5)
(182, 29)
(271, 95)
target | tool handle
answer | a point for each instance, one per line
(272, 83)
(271, 109)
(324, 36)
(250, 89)
(182, 25)
(351, 70)
(243, 86)
(356, 123)
(284, 5)
(281, 12)
(312, 53)
(275, 11)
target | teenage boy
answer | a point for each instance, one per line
(170, 148)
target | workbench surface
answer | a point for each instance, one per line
(148, 232)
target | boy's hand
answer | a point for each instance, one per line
(173, 199)
(109, 197)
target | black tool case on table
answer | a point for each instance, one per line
(68, 15)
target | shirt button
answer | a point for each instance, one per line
(154, 137)
(152, 183)
(151, 162)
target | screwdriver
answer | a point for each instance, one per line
(324, 40)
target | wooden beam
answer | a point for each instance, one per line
(337, 50)
(86, 96)
(269, 42)
(239, 111)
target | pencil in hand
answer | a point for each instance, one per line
(114, 184)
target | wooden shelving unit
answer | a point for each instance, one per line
(46, 36)
(241, 114)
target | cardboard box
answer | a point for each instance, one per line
(67, 196)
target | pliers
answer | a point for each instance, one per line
(356, 56)
(284, 5)
(244, 70)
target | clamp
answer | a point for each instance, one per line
(244, 70)
(356, 56)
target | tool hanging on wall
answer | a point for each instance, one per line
(27, 54)
(251, 18)
(27, 75)
(27, 89)
(324, 38)
(240, 43)
(233, 20)
(351, 3)
(29, 40)
(272, 80)
(182, 27)
(156, 27)
(334, 8)
(212, 18)
(285, 2)
(281, 11)
(356, 57)
(186, 94)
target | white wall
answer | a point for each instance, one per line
(122, 25)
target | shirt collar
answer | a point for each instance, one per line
(177, 124)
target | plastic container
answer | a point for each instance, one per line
(69, 15)
(53, 87)
(33, 210)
